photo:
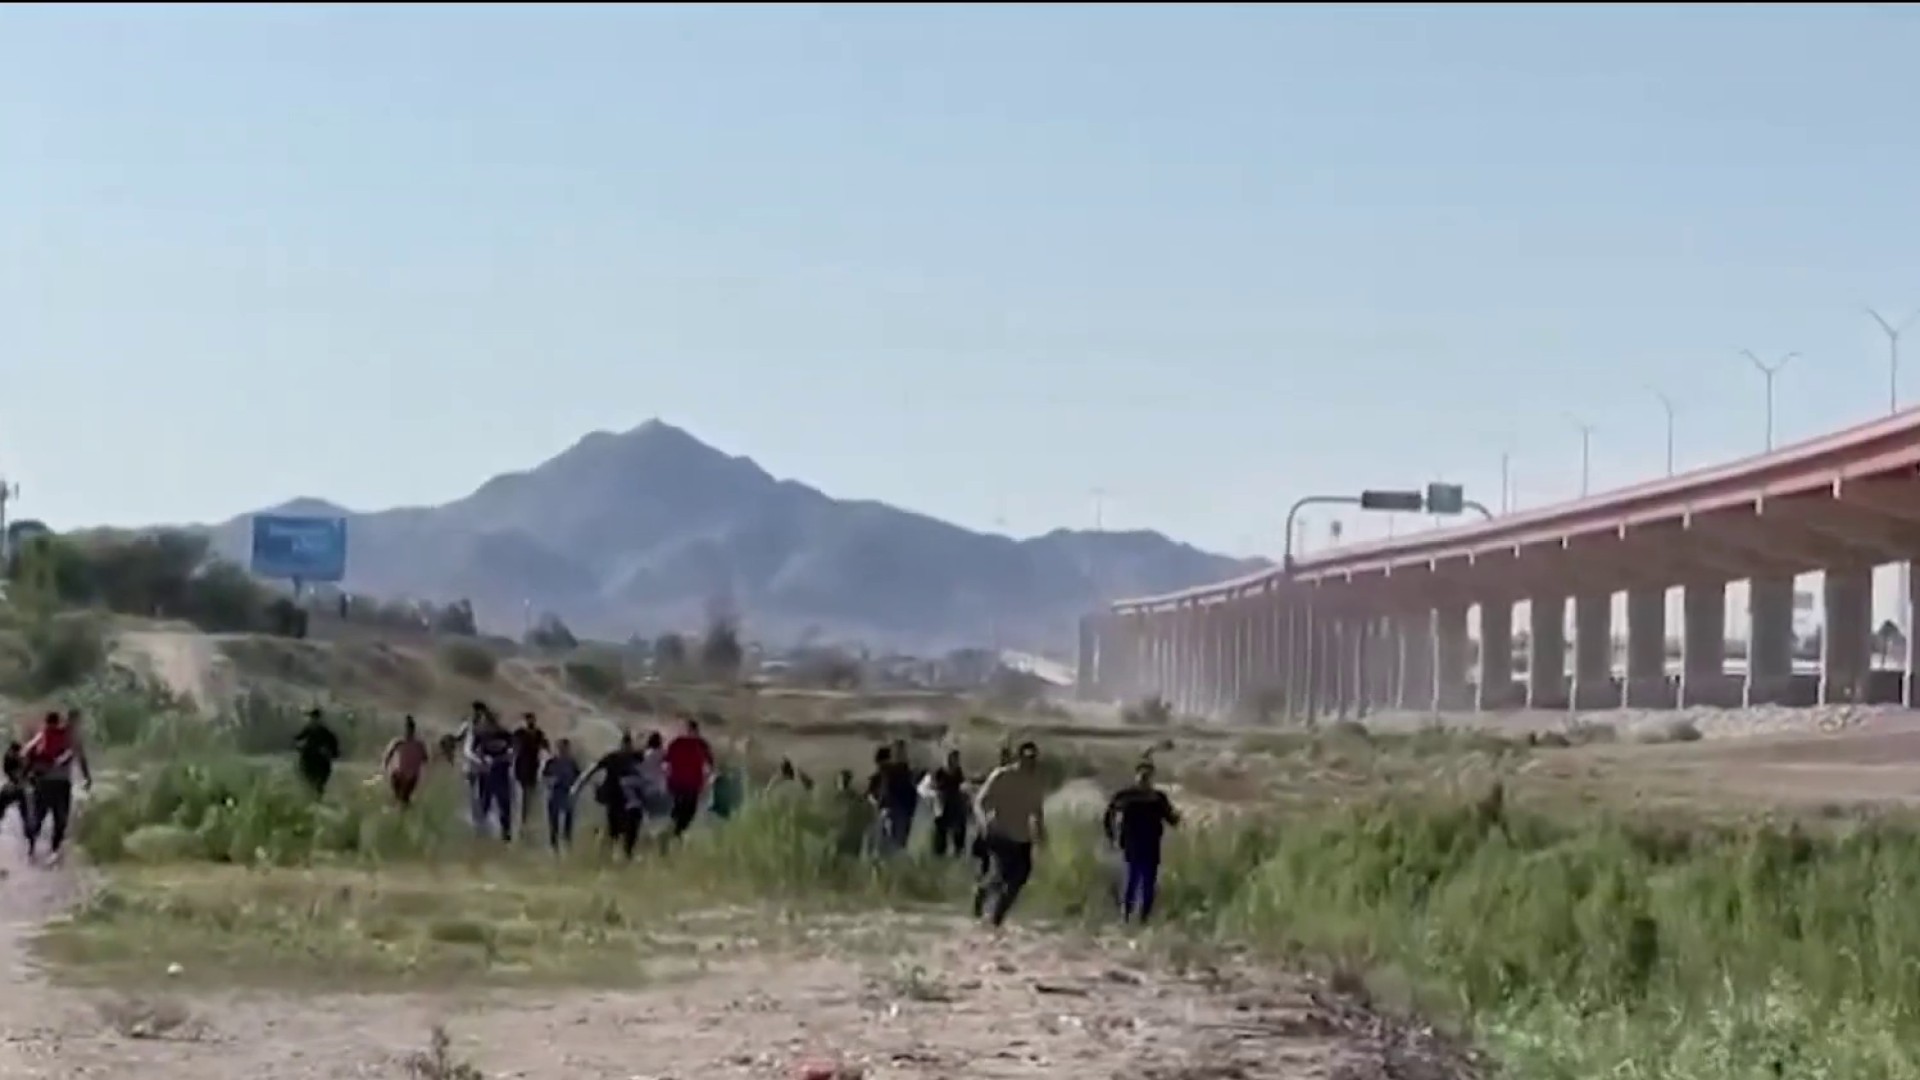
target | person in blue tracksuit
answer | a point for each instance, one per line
(1136, 824)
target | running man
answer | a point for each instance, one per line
(404, 761)
(50, 757)
(1136, 823)
(620, 792)
(561, 772)
(529, 747)
(689, 762)
(1011, 813)
(950, 807)
(490, 763)
(13, 786)
(315, 749)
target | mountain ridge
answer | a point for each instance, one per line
(652, 529)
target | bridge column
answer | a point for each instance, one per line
(1312, 652)
(1593, 686)
(1703, 646)
(1547, 652)
(1451, 652)
(1646, 686)
(1415, 691)
(1299, 657)
(1324, 701)
(1496, 654)
(1383, 662)
(1769, 640)
(1910, 685)
(1085, 677)
(1846, 639)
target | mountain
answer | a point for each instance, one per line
(650, 529)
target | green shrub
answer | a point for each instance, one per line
(469, 660)
(597, 673)
(65, 650)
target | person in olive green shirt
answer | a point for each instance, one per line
(1012, 818)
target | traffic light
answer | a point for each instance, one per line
(1401, 501)
(1446, 498)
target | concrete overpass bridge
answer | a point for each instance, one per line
(1385, 625)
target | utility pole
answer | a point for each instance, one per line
(1586, 453)
(1769, 371)
(1893, 333)
(1666, 403)
(1506, 481)
(1099, 508)
(8, 493)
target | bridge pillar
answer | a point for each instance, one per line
(1299, 657)
(1496, 654)
(1703, 646)
(1451, 651)
(1324, 697)
(1219, 657)
(1647, 686)
(1382, 662)
(1769, 640)
(1085, 676)
(1414, 689)
(1910, 685)
(1593, 686)
(1846, 639)
(1547, 652)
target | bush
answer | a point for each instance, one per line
(597, 673)
(552, 635)
(469, 660)
(65, 650)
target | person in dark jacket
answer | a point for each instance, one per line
(13, 786)
(950, 807)
(315, 749)
(1136, 824)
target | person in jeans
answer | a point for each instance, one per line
(1136, 823)
(1011, 813)
(561, 771)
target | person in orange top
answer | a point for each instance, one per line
(404, 762)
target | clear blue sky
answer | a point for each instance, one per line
(972, 260)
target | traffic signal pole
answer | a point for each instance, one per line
(1443, 499)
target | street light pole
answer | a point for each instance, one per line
(1586, 453)
(1506, 481)
(1893, 333)
(1769, 371)
(1667, 404)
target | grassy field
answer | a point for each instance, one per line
(1577, 911)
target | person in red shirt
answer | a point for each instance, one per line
(689, 762)
(51, 756)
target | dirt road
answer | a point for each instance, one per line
(958, 1003)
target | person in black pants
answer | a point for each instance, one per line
(13, 788)
(950, 807)
(315, 749)
(1012, 813)
(49, 759)
(620, 793)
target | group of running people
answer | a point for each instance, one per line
(513, 768)
(508, 770)
(1007, 808)
(38, 781)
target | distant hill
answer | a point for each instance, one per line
(649, 529)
